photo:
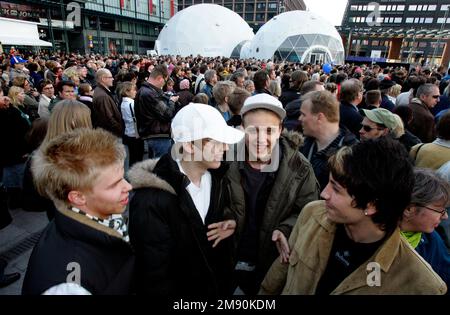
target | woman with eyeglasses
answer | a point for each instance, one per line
(430, 197)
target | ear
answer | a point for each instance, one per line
(188, 147)
(410, 212)
(370, 209)
(385, 131)
(320, 117)
(76, 198)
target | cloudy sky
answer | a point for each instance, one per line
(331, 10)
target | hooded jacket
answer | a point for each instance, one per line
(173, 254)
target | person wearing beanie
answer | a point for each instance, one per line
(268, 164)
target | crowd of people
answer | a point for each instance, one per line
(215, 176)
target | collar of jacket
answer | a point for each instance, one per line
(85, 98)
(82, 228)
(107, 91)
(344, 138)
(262, 91)
(151, 86)
(417, 101)
(384, 256)
(354, 107)
(164, 174)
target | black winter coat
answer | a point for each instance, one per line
(173, 254)
(106, 261)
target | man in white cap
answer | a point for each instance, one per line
(269, 187)
(177, 221)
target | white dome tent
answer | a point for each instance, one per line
(297, 36)
(209, 30)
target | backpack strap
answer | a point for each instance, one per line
(417, 152)
(197, 88)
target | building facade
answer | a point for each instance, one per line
(254, 12)
(99, 26)
(413, 31)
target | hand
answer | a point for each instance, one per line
(36, 93)
(174, 98)
(282, 245)
(220, 231)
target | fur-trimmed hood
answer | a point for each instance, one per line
(141, 175)
(293, 138)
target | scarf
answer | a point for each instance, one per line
(413, 238)
(115, 222)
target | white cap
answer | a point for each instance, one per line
(201, 121)
(264, 101)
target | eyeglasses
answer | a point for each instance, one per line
(436, 96)
(441, 212)
(367, 128)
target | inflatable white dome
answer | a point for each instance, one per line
(298, 36)
(209, 30)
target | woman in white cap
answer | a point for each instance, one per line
(177, 223)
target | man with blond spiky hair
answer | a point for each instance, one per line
(85, 249)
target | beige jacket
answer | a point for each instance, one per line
(431, 155)
(403, 271)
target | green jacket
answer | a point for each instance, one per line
(402, 270)
(295, 185)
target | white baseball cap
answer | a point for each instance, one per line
(201, 121)
(264, 101)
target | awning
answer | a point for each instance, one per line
(20, 33)
(23, 41)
